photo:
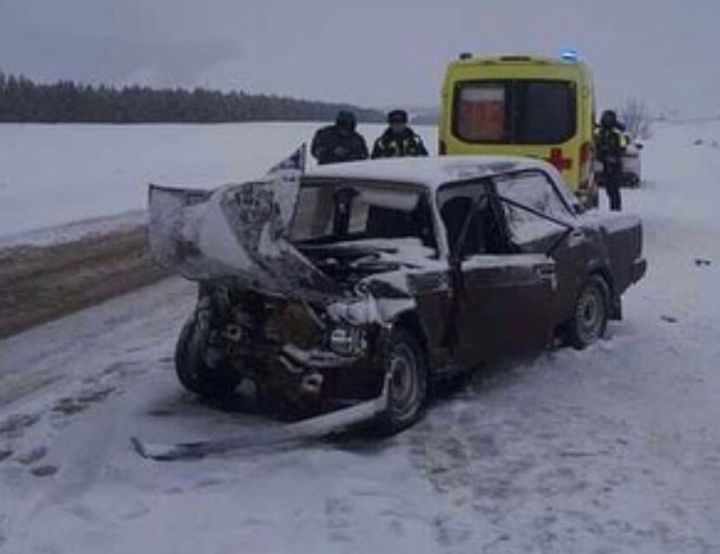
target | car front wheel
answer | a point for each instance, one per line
(590, 316)
(406, 369)
(191, 366)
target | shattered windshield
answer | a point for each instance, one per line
(344, 211)
(534, 190)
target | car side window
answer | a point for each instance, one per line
(471, 223)
(534, 190)
(461, 224)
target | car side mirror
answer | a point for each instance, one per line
(639, 145)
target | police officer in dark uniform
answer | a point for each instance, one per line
(610, 143)
(339, 142)
(398, 140)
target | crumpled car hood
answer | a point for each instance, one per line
(238, 232)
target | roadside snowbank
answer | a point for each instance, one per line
(51, 175)
(77, 230)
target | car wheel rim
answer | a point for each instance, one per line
(404, 386)
(590, 315)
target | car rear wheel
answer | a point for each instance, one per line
(590, 316)
(408, 386)
(193, 371)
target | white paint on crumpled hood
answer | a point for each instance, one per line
(236, 231)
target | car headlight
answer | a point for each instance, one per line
(348, 341)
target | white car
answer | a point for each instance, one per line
(632, 167)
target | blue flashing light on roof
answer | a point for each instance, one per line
(570, 55)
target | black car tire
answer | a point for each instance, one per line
(590, 314)
(632, 180)
(408, 389)
(193, 372)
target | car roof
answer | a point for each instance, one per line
(430, 172)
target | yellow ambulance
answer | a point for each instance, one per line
(526, 106)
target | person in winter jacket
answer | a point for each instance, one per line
(398, 140)
(610, 143)
(339, 142)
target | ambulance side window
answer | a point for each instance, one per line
(549, 112)
(480, 112)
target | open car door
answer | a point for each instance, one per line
(499, 301)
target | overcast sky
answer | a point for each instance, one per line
(374, 53)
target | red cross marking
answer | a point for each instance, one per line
(556, 158)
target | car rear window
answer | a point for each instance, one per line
(520, 111)
(367, 212)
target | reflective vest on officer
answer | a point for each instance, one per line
(610, 144)
(389, 145)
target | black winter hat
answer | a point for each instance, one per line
(608, 118)
(397, 116)
(346, 120)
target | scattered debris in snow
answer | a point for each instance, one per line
(32, 456)
(13, 426)
(44, 470)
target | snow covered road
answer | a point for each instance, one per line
(613, 449)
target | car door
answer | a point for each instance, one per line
(497, 302)
(540, 221)
(505, 305)
(504, 298)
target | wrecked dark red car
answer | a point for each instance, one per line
(368, 280)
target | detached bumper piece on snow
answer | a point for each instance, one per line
(309, 429)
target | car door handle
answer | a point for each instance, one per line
(545, 271)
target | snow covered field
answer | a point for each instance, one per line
(615, 449)
(56, 174)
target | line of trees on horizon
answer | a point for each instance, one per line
(24, 101)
